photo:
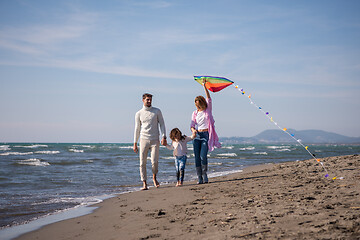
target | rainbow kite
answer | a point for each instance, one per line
(214, 84)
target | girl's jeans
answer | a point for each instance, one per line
(180, 162)
(201, 148)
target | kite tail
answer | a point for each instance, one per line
(267, 114)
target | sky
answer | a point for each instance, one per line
(75, 70)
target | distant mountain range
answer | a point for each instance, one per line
(306, 136)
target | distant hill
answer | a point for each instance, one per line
(306, 136)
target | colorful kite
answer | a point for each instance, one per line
(214, 84)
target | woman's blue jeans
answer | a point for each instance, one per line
(201, 148)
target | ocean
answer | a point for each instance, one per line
(40, 179)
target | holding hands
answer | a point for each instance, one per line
(163, 141)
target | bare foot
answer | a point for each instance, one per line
(144, 186)
(156, 183)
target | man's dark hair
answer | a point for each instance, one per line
(145, 95)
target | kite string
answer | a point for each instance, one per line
(283, 129)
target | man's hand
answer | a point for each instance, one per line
(135, 148)
(164, 142)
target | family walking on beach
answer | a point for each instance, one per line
(147, 123)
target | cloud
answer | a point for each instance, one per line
(179, 36)
(152, 4)
(43, 38)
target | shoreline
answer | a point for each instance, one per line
(232, 206)
(15, 231)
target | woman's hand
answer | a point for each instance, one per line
(206, 90)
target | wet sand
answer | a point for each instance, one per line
(275, 201)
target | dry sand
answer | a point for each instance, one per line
(276, 201)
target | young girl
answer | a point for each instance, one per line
(179, 148)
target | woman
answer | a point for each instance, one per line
(202, 121)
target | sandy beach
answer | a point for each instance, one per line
(290, 200)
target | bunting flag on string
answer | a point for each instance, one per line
(216, 84)
(285, 130)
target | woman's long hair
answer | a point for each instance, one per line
(200, 102)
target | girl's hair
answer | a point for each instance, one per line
(201, 102)
(173, 134)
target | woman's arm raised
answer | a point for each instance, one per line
(206, 90)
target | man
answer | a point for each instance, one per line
(147, 122)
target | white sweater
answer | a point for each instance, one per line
(180, 148)
(147, 121)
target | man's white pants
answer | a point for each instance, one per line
(145, 146)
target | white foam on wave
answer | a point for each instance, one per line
(219, 174)
(216, 163)
(33, 146)
(84, 146)
(82, 209)
(15, 153)
(277, 147)
(227, 147)
(247, 149)
(47, 152)
(227, 154)
(5, 148)
(261, 153)
(34, 162)
(76, 150)
(283, 150)
(126, 147)
(82, 201)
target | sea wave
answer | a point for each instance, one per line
(215, 163)
(283, 150)
(32, 146)
(126, 147)
(277, 147)
(84, 146)
(15, 153)
(227, 147)
(76, 150)
(5, 148)
(261, 153)
(227, 154)
(247, 149)
(34, 162)
(79, 200)
(223, 173)
(47, 152)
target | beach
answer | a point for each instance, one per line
(291, 200)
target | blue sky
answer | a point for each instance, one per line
(74, 71)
